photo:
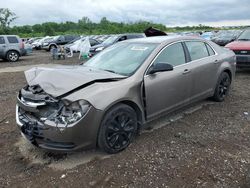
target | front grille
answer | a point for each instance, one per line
(31, 127)
(242, 52)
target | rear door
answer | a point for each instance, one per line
(13, 43)
(2, 47)
(203, 64)
(168, 90)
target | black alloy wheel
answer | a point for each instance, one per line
(118, 129)
(222, 87)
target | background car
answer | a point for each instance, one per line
(37, 44)
(74, 45)
(241, 48)
(223, 38)
(112, 40)
(58, 40)
(11, 47)
(207, 35)
(105, 101)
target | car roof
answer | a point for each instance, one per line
(163, 39)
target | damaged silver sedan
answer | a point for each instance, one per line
(104, 102)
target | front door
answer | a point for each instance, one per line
(168, 90)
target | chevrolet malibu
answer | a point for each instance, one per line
(104, 102)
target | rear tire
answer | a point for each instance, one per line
(12, 56)
(222, 87)
(118, 129)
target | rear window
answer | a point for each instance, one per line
(12, 39)
(197, 50)
(2, 41)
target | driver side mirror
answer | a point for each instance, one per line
(160, 67)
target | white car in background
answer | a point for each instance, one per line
(75, 45)
(38, 43)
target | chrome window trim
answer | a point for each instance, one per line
(181, 41)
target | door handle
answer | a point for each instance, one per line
(216, 61)
(186, 71)
(4, 46)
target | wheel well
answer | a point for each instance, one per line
(52, 45)
(229, 73)
(10, 51)
(135, 108)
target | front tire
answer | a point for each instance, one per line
(12, 56)
(222, 87)
(118, 129)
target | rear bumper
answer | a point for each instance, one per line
(243, 60)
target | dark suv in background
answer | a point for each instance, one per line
(58, 40)
(112, 40)
(11, 48)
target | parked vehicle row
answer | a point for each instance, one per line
(99, 42)
(112, 40)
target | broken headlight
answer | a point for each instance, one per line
(71, 112)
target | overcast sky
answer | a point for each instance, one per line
(168, 12)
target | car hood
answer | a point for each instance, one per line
(239, 45)
(61, 80)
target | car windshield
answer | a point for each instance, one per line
(122, 58)
(245, 35)
(110, 40)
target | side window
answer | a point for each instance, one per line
(173, 55)
(197, 50)
(12, 39)
(67, 38)
(93, 42)
(61, 38)
(123, 38)
(210, 50)
(2, 41)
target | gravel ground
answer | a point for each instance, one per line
(204, 145)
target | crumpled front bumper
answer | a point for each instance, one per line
(48, 135)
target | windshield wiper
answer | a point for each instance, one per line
(244, 39)
(115, 72)
(109, 71)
